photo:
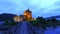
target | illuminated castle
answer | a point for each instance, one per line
(27, 16)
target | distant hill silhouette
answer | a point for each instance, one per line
(56, 17)
(5, 16)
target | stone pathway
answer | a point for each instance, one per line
(24, 29)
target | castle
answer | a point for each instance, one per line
(27, 16)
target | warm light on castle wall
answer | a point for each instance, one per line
(18, 19)
(28, 14)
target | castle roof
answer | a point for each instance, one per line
(27, 10)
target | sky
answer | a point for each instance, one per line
(45, 8)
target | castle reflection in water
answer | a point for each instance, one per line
(27, 16)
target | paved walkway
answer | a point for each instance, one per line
(24, 28)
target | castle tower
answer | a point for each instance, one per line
(28, 15)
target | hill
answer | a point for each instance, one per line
(5, 16)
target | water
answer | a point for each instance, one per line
(58, 18)
(1, 22)
(53, 31)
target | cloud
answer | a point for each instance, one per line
(38, 7)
